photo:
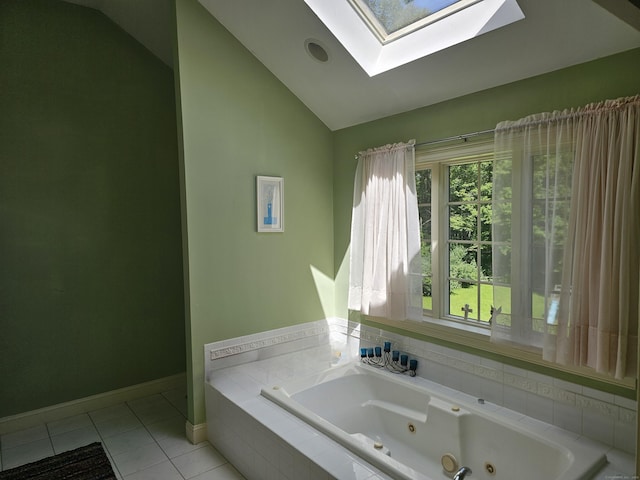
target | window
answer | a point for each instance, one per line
(390, 19)
(454, 202)
(461, 281)
(530, 225)
(446, 23)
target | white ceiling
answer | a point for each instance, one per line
(554, 34)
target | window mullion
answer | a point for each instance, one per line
(478, 242)
(436, 240)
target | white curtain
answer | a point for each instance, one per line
(566, 231)
(385, 266)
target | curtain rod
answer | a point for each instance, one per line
(463, 137)
(456, 137)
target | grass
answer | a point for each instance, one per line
(463, 296)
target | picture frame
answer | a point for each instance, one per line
(270, 203)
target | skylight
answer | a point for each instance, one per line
(391, 19)
(384, 34)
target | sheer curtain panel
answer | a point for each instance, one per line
(566, 230)
(385, 266)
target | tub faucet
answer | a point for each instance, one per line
(463, 472)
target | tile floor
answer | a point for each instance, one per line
(143, 438)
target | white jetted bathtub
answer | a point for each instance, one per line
(395, 423)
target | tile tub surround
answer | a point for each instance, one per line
(264, 441)
(340, 338)
(604, 417)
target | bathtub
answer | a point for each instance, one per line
(400, 426)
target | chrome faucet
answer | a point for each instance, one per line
(461, 473)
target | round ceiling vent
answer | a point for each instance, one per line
(316, 50)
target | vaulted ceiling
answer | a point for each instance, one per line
(554, 34)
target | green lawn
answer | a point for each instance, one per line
(462, 296)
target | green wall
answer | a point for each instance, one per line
(91, 293)
(610, 77)
(239, 121)
(94, 185)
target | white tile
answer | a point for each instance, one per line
(26, 453)
(223, 472)
(539, 377)
(597, 427)
(609, 472)
(246, 464)
(74, 439)
(569, 386)
(623, 462)
(509, 415)
(110, 413)
(153, 409)
(267, 471)
(514, 398)
(492, 391)
(567, 417)
(177, 398)
(139, 458)
(317, 473)
(626, 402)
(198, 461)
(468, 383)
(598, 394)
(265, 443)
(343, 466)
(148, 401)
(124, 423)
(536, 426)
(286, 456)
(69, 424)
(176, 445)
(624, 437)
(540, 408)
(170, 427)
(627, 416)
(600, 407)
(450, 377)
(21, 437)
(431, 371)
(161, 471)
(499, 366)
(114, 466)
(515, 370)
(123, 442)
(562, 433)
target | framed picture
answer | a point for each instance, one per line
(270, 197)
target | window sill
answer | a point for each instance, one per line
(481, 333)
(477, 340)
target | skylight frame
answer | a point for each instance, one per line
(375, 58)
(372, 22)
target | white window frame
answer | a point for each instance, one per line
(438, 160)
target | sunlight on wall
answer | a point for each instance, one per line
(342, 286)
(325, 287)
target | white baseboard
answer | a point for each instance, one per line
(196, 433)
(83, 405)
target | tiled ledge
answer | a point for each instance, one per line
(598, 415)
(336, 340)
(333, 333)
(227, 348)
